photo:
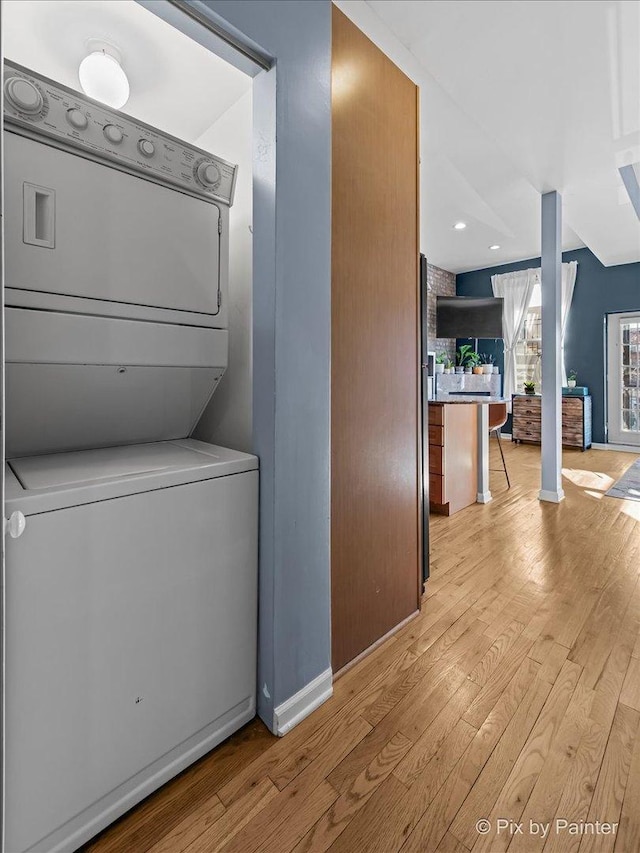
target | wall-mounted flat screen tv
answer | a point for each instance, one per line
(468, 317)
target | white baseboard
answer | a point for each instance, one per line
(624, 448)
(551, 496)
(301, 704)
(483, 497)
(506, 435)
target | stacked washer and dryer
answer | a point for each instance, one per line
(131, 554)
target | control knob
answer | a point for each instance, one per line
(23, 95)
(77, 119)
(146, 147)
(208, 174)
(113, 133)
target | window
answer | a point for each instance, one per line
(529, 346)
(623, 378)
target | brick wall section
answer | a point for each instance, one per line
(439, 283)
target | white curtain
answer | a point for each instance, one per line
(569, 272)
(515, 288)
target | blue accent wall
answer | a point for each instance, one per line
(291, 336)
(599, 291)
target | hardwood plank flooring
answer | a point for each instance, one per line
(514, 695)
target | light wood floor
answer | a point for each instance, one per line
(514, 695)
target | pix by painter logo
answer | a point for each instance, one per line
(504, 826)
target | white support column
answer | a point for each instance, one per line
(484, 494)
(551, 483)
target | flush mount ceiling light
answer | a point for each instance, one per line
(103, 79)
(494, 247)
(460, 226)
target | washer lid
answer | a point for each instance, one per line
(57, 470)
(53, 481)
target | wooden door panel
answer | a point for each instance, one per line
(374, 421)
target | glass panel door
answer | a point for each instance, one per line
(623, 378)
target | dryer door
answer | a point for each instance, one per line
(78, 228)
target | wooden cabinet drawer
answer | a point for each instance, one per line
(572, 442)
(436, 414)
(533, 416)
(435, 459)
(524, 407)
(573, 436)
(528, 423)
(571, 422)
(521, 434)
(572, 406)
(436, 434)
(436, 490)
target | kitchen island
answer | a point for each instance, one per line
(459, 451)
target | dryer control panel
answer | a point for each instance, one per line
(40, 107)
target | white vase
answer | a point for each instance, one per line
(496, 369)
(487, 368)
(571, 383)
(459, 369)
(448, 371)
(439, 368)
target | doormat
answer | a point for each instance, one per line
(628, 486)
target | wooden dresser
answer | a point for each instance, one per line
(453, 456)
(576, 420)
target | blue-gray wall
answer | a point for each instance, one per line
(292, 333)
(599, 291)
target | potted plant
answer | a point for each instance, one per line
(441, 360)
(462, 357)
(529, 387)
(474, 362)
(486, 360)
(448, 366)
(572, 379)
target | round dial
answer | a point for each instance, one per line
(208, 174)
(77, 119)
(146, 147)
(113, 133)
(23, 95)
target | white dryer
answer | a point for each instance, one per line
(131, 564)
(116, 272)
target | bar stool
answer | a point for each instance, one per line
(498, 415)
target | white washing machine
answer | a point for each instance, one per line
(130, 625)
(131, 561)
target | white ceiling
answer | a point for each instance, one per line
(176, 84)
(518, 99)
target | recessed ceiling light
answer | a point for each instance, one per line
(494, 247)
(103, 79)
(459, 226)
